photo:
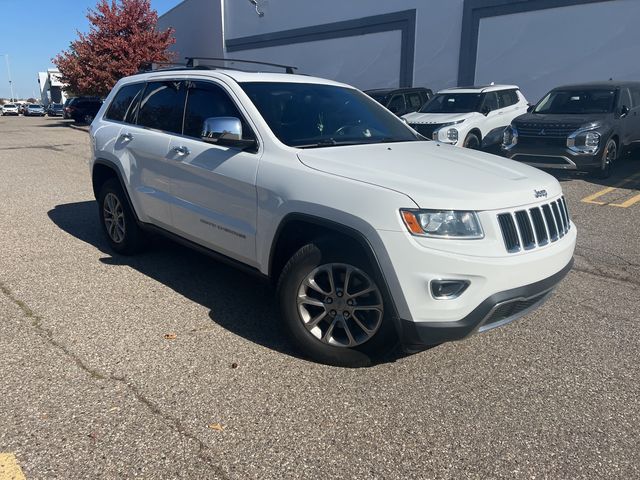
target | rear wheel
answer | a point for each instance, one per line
(472, 141)
(332, 307)
(117, 220)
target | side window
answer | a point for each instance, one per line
(490, 101)
(635, 97)
(206, 100)
(162, 106)
(506, 98)
(125, 103)
(625, 98)
(414, 100)
(396, 105)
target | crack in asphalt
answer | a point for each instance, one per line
(619, 257)
(55, 148)
(175, 424)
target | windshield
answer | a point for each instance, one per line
(56, 106)
(9, 105)
(34, 106)
(577, 102)
(315, 115)
(453, 103)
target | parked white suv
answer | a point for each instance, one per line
(371, 234)
(472, 117)
(9, 109)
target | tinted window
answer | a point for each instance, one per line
(206, 100)
(162, 106)
(316, 115)
(125, 103)
(577, 102)
(490, 101)
(397, 105)
(452, 103)
(506, 98)
(625, 98)
(635, 97)
(414, 100)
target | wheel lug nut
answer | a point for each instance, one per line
(345, 314)
(350, 302)
(339, 293)
(328, 300)
(332, 313)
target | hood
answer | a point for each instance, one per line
(436, 176)
(417, 117)
(564, 119)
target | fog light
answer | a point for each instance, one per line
(448, 289)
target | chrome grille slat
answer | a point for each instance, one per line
(535, 227)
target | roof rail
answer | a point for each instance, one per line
(192, 62)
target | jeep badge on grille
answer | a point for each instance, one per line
(540, 193)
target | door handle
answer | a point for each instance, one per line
(127, 137)
(181, 150)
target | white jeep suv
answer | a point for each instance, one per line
(372, 235)
(472, 117)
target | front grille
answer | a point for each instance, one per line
(510, 309)
(553, 130)
(426, 129)
(560, 142)
(536, 227)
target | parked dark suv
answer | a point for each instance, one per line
(82, 109)
(577, 127)
(401, 100)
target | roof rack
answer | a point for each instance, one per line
(192, 62)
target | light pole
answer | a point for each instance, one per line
(6, 57)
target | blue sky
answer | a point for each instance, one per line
(32, 32)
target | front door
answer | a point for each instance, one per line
(214, 186)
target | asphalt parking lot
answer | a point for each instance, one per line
(170, 365)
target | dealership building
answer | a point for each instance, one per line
(536, 44)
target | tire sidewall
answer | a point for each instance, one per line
(477, 141)
(301, 264)
(606, 169)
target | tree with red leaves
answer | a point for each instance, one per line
(122, 38)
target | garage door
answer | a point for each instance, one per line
(543, 49)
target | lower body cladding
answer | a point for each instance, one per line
(497, 290)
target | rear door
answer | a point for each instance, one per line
(215, 186)
(634, 134)
(159, 116)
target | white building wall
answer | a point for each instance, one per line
(366, 63)
(198, 28)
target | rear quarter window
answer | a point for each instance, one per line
(124, 106)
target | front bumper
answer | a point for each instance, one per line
(557, 157)
(497, 310)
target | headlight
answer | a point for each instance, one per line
(510, 136)
(443, 223)
(445, 134)
(584, 141)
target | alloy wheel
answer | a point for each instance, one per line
(340, 305)
(113, 215)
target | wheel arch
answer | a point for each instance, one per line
(104, 170)
(298, 229)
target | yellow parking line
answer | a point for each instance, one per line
(9, 467)
(627, 203)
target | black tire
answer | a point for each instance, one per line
(610, 156)
(472, 141)
(133, 239)
(302, 264)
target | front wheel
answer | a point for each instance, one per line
(472, 141)
(609, 158)
(333, 308)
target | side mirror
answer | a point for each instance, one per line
(394, 109)
(226, 131)
(531, 108)
(624, 111)
(485, 111)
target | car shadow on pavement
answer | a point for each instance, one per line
(623, 170)
(237, 301)
(57, 122)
